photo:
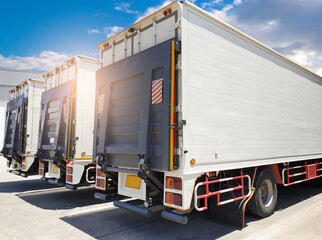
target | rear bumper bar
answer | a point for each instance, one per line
(140, 210)
(108, 197)
(18, 172)
(54, 181)
(71, 187)
(175, 217)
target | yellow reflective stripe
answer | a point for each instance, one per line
(70, 118)
(172, 104)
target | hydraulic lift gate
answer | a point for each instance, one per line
(16, 119)
(132, 118)
(56, 122)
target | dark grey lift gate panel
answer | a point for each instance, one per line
(15, 134)
(130, 126)
(52, 124)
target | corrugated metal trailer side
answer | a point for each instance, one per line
(245, 105)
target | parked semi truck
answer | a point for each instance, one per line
(191, 113)
(21, 127)
(65, 143)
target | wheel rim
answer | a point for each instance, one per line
(267, 193)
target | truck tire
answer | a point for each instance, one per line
(263, 202)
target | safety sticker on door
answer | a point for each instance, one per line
(157, 91)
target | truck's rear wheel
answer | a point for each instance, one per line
(263, 202)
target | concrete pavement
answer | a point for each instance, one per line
(32, 209)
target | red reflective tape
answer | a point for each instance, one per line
(158, 100)
(100, 104)
(65, 110)
(157, 91)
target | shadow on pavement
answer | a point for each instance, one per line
(61, 198)
(119, 223)
(24, 185)
(123, 224)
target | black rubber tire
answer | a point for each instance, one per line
(256, 205)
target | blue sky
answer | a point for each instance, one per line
(38, 35)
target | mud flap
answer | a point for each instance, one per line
(231, 214)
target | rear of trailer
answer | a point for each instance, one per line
(65, 143)
(21, 127)
(192, 113)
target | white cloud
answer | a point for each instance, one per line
(93, 31)
(111, 31)
(44, 61)
(290, 29)
(151, 10)
(125, 7)
(302, 54)
(211, 3)
(237, 2)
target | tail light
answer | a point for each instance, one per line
(69, 170)
(100, 179)
(41, 171)
(173, 198)
(69, 174)
(100, 184)
(69, 178)
(169, 197)
(100, 173)
(178, 199)
(178, 184)
(173, 183)
(24, 164)
(169, 182)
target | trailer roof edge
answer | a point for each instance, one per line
(41, 81)
(72, 59)
(126, 29)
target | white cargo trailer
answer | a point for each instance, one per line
(21, 127)
(65, 142)
(191, 113)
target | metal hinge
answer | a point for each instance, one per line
(182, 122)
(178, 46)
(178, 108)
(179, 65)
(177, 151)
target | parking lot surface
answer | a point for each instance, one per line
(32, 209)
